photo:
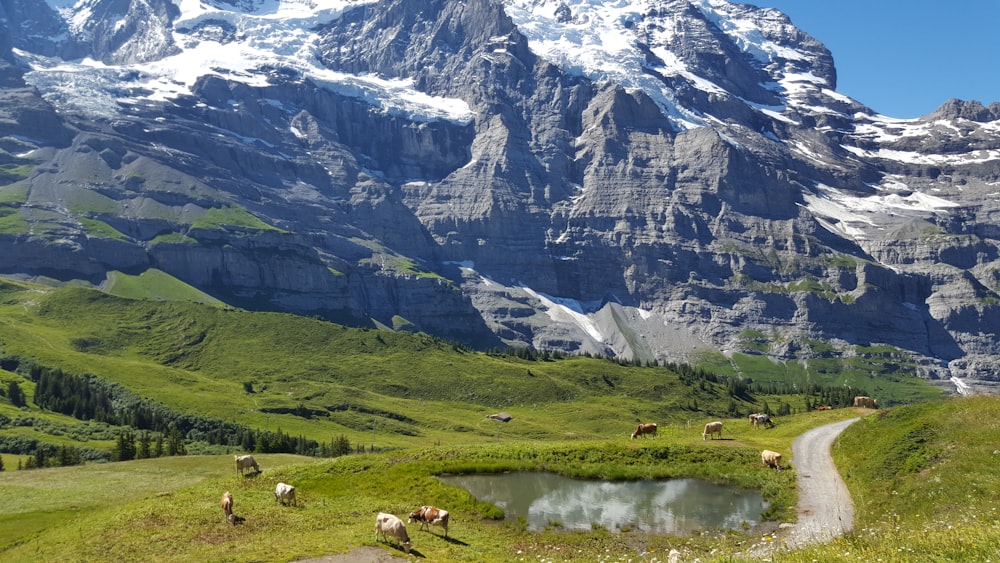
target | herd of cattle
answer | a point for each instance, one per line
(712, 429)
(769, 458)
(388, 525)
(283, 492)
(391, 526)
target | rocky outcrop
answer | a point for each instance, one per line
(442, 166)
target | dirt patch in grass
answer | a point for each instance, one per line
(367, 554)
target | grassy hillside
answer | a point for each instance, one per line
(155, 284)
(922, 478)
(41, 501)
(913, 470)
(924, 483)
(168, 510)
(319, 380)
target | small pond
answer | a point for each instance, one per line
(676, 506)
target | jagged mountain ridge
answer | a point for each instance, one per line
(648, 180)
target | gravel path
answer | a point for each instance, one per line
(364, 554)
(825, 509)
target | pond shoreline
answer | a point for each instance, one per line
(681, 506)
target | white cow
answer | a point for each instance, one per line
(712, 428)
(244, 462)
(390, 525)
(285, 493)
(771, 459)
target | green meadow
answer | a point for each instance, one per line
(921, 477)
(412, 407)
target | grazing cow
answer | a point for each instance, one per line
(244, 462)
(771, 459)
(712, 428)
(764, 419)
(643, 429)
(390, 525)
(753, 419)
(227, 505)
(824, 408)
(866, 402)
(428, 515)
(284, 493)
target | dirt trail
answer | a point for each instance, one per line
(825, 508)
(364, 554)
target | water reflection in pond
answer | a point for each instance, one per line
(677, 506)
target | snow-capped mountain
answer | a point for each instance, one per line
(653, 179)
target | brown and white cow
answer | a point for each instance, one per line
(771, 459)
(227, 505)
(865, 402)
(391, 525)
(428, 515)
(245, 462)
(712, 428)
(645, 428)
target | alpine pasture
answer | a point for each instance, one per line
(411, 407)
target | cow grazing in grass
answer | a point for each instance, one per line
(284, 493)
(865, 402)
(643, 429)
(245, 462)
(390, 525)
(712, 428)
(428, 515)
(771, 459)
(762, 419)
(227, 505)
(824, 408)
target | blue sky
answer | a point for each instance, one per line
(904, 58)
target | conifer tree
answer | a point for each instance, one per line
(125, 446)
(16, 395)
(175, 442)
(144, 443)
(64, 456)
(158, 446)
(341, 446)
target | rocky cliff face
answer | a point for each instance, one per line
(482, 171)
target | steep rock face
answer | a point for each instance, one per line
(36, 28)
(465, 169)
(129, 31)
